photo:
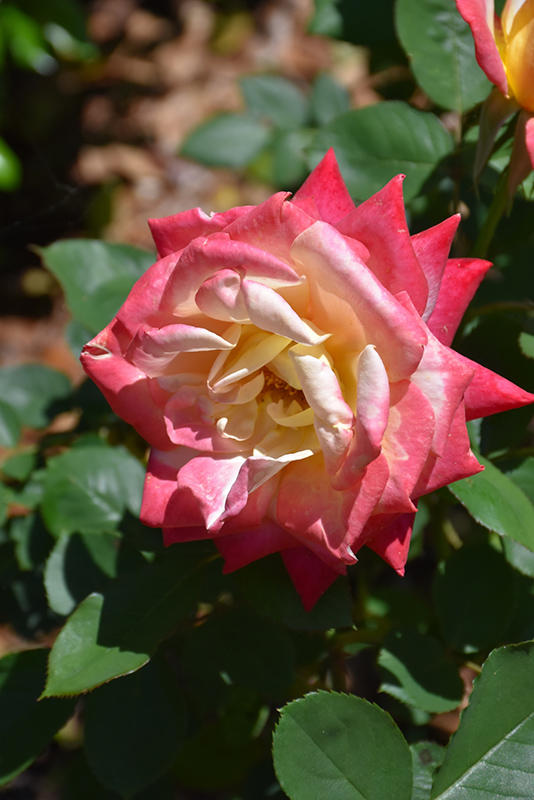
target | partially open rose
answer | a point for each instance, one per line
(289, 364)
(505, 51)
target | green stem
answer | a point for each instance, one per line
(495, 213)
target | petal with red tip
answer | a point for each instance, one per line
(489, 393)
(328, 190)
(457, 461)
(311, 576)
(380, 224)
(432, 248)
(125, 387)
(350, 302)
(175, 232)
(480, 16)
(240, 549)
(460, 281)
(390, 538)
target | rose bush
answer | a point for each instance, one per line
(505, 51)
(290, 366)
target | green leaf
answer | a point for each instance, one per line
(20, 465)
(267, 587)
(242, 648)
(117, 632)
(83, 563)
(26, 726)
(133, 728)
(31, 391)
(519, 557)
(492, 752)
(526, 343)
(497, 503)
(441, 48)
(523, 476)
(329, 99)
(9, 425)
(95, 276)
(420, 674)
(330, 745)
(326, 21)
(25, 40)
(276, 100)
(375, 143)
(88, 489)
(32, 541)
(229, 140)
(10, 168)
(474, 594)
(426, 758)
(289, 163)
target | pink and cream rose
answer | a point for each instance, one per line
(504, 49)
(289, 364)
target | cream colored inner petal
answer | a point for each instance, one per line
(258, 351)
(291, 417)
(238, 422)
(283, 368)
(280, 442)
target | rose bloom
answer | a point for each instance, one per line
(505, 51)
(289, 364)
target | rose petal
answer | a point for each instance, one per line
(432, 248)
(529, 139)
(205, 257)
(334, 419)
(175, 232)
(489, 393)
(325, 520)
(351, 303)
(240, 549)
(162, 506)
(380, 224)
(328, 190)
(443, 377)
(125, 387)
(153, 349)
(372, 414)
(457, 461)
(479, 15)
(311, 576)
(390, 538)
(207, 481)
(460, 281)
(270, 312)
(406, 445)
(220, 297)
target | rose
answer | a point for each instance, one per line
(505, 51)
(289, 364)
